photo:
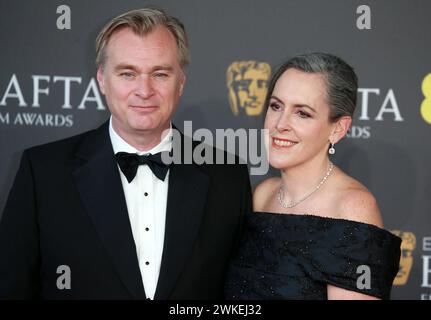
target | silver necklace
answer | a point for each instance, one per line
(292, 204)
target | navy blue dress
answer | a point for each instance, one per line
(289, 256)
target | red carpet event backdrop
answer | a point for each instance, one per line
(48, 89)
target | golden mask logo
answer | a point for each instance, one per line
(247, 82)
(426, 104)
(408, 245)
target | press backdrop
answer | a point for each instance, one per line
(48, 89)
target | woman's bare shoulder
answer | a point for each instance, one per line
(263, 192)
(354, 201)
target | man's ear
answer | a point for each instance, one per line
(340, 129)
(101, 80)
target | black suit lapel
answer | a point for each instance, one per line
(187, 194)
(99, 185)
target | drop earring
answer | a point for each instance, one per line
(331, 149)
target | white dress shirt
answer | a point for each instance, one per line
(146, 199)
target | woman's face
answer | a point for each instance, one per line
(298, 119)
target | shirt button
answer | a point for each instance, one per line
(146, 194)
(147, 229)
(147, 263)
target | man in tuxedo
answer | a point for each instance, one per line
(100, 215)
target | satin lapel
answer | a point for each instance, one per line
(187, 194)
(99, 185)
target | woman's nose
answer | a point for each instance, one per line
(283, 123)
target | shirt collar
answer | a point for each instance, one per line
(120, 145)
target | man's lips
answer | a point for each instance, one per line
(141, 108)
(282, 143)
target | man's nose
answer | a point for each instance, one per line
(144, 87)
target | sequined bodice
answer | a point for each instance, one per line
(288, 256)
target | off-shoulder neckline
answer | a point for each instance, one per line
(331, 219)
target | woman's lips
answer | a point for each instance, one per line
(279, 143)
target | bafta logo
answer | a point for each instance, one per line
(247, 82)
(426, 103)
(408, 245)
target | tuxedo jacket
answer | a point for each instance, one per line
(67, 208)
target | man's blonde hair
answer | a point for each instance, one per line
(142, 22)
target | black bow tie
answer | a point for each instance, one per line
(129, 163)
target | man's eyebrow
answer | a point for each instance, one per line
(126, 66)
(123, 66)
(162, 67)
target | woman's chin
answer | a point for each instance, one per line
(279, 163)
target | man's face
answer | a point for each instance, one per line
(142, 81)
(251, 87)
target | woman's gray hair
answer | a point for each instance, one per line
(341, 80)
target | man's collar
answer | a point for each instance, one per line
(120, 145)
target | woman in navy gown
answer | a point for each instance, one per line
(316, 233)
